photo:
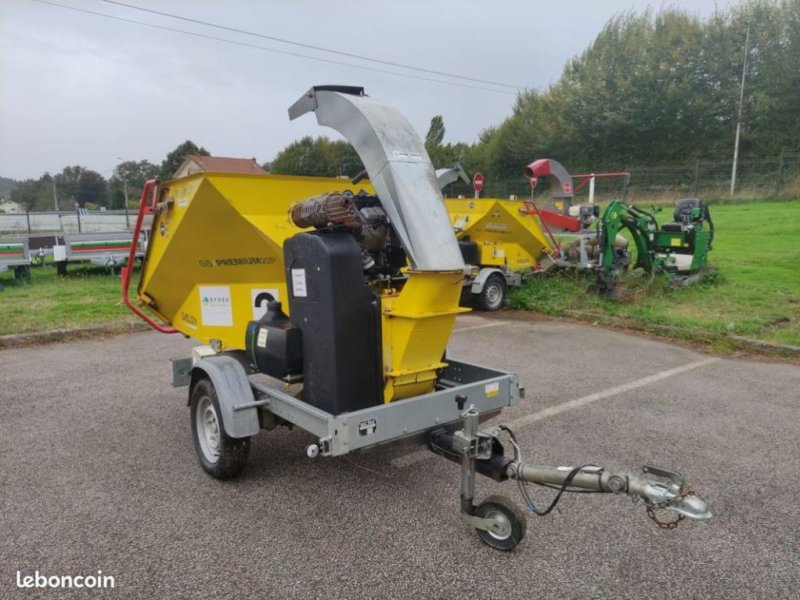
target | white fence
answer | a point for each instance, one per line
(65, 222)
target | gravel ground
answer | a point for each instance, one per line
(97, 471)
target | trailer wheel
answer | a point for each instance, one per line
(220, 455)
(509, 518)
(493, 295)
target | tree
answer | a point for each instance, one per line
(92, 188)
(175, 158)
(303, 157)
(34, 194)
(319, 157)
(66, 184)
(132, 174)
(342, 159)
(6, 185)
(435, 135)
(661, 88)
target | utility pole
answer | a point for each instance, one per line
(125, 191)
(127, 218)
(739, 116)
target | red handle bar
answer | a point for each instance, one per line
(146, 206)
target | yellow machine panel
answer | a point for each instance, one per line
(216, 243)
(506, 234)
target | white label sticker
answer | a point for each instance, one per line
(367, 427)
(215, 305)
(261, 342)
(492, 389)
(183, 202)
(407, 156)
(299, 283)
(260, 299)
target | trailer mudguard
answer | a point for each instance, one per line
(237, 404)
(483, 275)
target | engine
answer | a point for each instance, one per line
(335, 275)
(362, 216)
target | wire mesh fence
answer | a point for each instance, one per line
(756, 179)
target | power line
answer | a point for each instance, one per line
(273, 50)
(313, 47)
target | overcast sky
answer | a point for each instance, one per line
(81, 89)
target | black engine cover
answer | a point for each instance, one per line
(340, 319)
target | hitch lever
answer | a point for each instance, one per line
(673, 476)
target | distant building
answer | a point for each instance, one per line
(218, 164)
(6, 206)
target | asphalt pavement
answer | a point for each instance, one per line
(98, 472)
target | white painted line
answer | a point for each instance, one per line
(492, 324)
(552, 411)
(407, 460)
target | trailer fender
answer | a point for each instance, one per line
(483, 275)
(234, 394)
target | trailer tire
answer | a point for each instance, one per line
(493, 295)
(220, 455)
(509, 516)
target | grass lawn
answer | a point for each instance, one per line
(755, 292)
(87, 295)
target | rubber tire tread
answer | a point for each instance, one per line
(515, 516)
(233, 452)
(481, 299)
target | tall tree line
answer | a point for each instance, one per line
(652, 88)
(77, 185)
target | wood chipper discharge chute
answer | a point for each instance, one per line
(345, 296)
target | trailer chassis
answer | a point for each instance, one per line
(448, 420)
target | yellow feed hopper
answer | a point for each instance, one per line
(501, 242)
(506, 234)
(216, 244)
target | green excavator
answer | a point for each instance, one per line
(679, 248)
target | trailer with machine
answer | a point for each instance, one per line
(501, 242)
(15, 254)
(595, 240)
(345, 300)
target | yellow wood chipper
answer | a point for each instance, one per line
(345, 296)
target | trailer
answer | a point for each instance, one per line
(330, 311)
(109, 249)
(15, 254)
(502, 244)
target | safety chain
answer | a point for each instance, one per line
(667, 524)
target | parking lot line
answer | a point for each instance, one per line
(471, 327)
(417, 456)
(552, 411)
